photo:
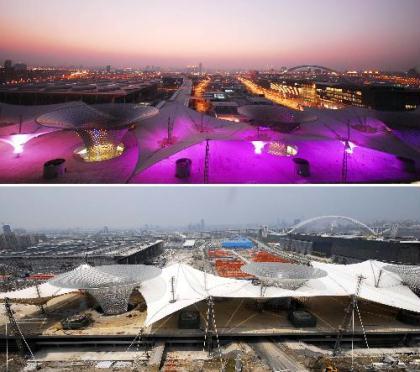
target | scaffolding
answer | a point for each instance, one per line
(349, 317)
(211, 332)
(206, 162)
(21, 342)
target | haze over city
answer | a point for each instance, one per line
(239, 34)
(132, 207)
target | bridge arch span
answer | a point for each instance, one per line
(320, 218)
(311, 66)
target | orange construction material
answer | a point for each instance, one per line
(218, 253)
(40, 277)
(263, 256)
(231, 269)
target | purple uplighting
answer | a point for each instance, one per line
(234, 162)
(258, 147)
(236, 152)
(18, 141)
(349, 146)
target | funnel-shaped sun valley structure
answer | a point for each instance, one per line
(281, 119)
(111, 286)
(283, 275)
(101, 127)
(409, 274)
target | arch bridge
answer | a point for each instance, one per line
(318, 67)
(309, 221)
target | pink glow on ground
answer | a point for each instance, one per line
(236, 162)
(18, 141)
(29, 168)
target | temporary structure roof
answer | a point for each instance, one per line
(189, 243)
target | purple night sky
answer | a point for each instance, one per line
(344, 34)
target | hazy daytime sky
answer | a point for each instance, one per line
(61, 207)
(228, 34)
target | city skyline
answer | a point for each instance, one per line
(268, 34)
(92, 207)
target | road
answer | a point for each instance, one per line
(183, 94)
(277, 358)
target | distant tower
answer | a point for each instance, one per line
(202, 224)
(108, 69)
(7, 230)
(10, 237)
(264, 231)
(7, 64)
(394, 231)
(200, 69)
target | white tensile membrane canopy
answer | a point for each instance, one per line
(35, 295)
(189, 128)
(110, 285)
(179, 286)
(315, 125)
(191, 286)
(368, 128)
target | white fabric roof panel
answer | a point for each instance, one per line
(45, 291)
(331, 125)
(186, 130)
(192, 286)
(390, 290)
